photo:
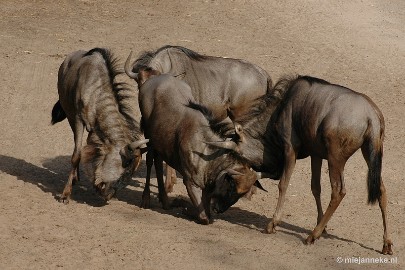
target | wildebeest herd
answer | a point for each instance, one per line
(219, 122)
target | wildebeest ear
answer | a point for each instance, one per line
(133, 151)
(144, 74)
(259, 186)
(239, 132)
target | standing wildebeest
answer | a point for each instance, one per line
(225, 85)
(90, 98)
(177, 133)
(303, 117)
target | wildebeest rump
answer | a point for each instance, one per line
(303, 117)
(90, 98)
(225, 85)
(177, 134)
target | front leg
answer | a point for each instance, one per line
(196, 196)
(290, 159)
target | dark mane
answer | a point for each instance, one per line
(272, 99)
(122, 91)
(312, 80)
(220, 128)
(275, 96)
(145, 58)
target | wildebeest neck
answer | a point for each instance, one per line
(147, 58)
(261, 146)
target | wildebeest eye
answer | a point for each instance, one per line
(130, 150)
(230, 181)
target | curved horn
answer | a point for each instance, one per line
(128, 68)
(233, 172)
(261, 175)
(230, 145)
(137, 144)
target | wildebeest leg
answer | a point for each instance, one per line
(195, 194)
(159, 175)
(316, 165)
(78, 129)
(145, 203)
(336, 167)
(290, 159)
(171, 179)
(382, 201)
(387, 247)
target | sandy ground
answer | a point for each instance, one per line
(359, 44)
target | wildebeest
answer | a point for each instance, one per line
(177, 133)
(306, 116)
(90, 97)
(226, 85)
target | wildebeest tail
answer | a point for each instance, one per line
(374, 151)
(269, 85)
(58, 114)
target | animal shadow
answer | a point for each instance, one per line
(51, 178)
(48, 180)
(258, 222)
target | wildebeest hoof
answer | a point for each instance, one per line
(109, 196)
(310, 239)
(204, 221)
(145, 204)
(166, 205)
(271, 228)
(64, 199)
(387, 248)
(165, 202)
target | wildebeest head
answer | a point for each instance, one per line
(106, 168)
(143, 73)
(230, 185)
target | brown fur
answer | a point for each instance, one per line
(91, 98)
(309, 117)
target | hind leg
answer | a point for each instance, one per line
(387, 247)
(382, 201)
(316, 165)
(171, 179)
(75, 160)
(145, 203)
(159, 175)
(336, 168)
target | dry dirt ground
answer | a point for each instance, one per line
(359, 44)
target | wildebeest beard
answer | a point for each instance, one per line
(221, 186)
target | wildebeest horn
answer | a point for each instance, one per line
(261, 175)
(137, 144)
(230, 145)
(233, 172)
(128, 68)
(230, 172)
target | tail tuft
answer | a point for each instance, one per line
(58, 114)
(374, 176)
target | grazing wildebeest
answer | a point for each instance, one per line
(306, 116)
(90, 98)
(226, 85)
(177, 133)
